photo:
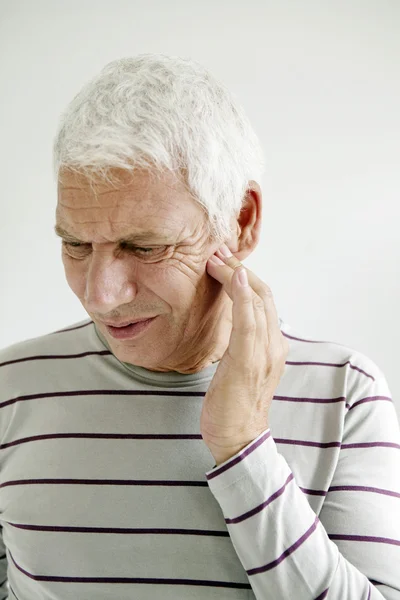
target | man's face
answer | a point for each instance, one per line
(164, 275)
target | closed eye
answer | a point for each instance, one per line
(145, 251)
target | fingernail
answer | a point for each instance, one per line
(225, 251)
(217, 261)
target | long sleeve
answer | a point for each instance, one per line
(352, 548)
(3, 568)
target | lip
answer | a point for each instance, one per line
(125, 323)
(130, 331)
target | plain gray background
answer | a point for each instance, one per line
(320, 83)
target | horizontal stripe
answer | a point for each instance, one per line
(306, 443)
(119, 530)
(102, 482)
(325, 364)
(183, 483)
(106, 436)
(142, 580)
(185, 436)
(311, 400)
(364, 538)
(56, 357)
(69, 393)
(287, 552)
(370, 445)
(363, 488)
(176, 393)
(125, 392)
(371, 399)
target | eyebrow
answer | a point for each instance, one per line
(137, 238)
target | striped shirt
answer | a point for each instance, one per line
(107, 490)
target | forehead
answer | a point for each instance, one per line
(130, 203)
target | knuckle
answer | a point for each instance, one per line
(246, 328)
(258, 304)
(267, 292)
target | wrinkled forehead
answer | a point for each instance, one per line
(139, 199)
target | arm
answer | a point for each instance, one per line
(352, 551)
(3, 568)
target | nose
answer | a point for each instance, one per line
(110, 282)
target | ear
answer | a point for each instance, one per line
(248, 224)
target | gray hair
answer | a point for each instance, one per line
(161, 112)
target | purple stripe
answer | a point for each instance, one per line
(107, 436)
(120, 530)
(364, 538)
(287, 552)
(370, 399)
(313, 492)
(56, 356)
(124, 392)
(371, 445)
(183, 436)
(369, 592)
(362, 488)
(101, 393)
(323, 595)
(311, 400)
(152, 581)
(103, 482)
(324, 364)
(260, 507)
(335, 444)
(146, 482)
(306, 443)
(241, 456)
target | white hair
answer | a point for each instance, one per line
(161, 112)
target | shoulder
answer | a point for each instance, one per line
(353, 368)
(45, 345)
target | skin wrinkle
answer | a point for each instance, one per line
(114, 283)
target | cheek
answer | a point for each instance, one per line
(177, 285)
(74, 277)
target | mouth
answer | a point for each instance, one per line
(125, 323)
(130, 330)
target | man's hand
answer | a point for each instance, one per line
(236, 405)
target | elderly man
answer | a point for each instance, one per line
(185, 442)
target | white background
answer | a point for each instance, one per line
(321, 84)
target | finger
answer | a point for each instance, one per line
(222, 273)
(255, 282)
(244, 331)
(262, 290)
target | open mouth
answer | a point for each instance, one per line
(129, 331)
